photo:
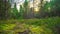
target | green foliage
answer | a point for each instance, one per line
(4, 9)
(15, 12)
(25, 5)
(7, 26)
(50, 9)
(37, 26)
(21, 12)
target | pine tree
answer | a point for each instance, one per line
(21, 11)
(15, 12)
(25, 8)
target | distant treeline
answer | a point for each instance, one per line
(47, 9)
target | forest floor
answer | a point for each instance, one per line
(31, 26)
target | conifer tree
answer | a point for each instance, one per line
(15, 11)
